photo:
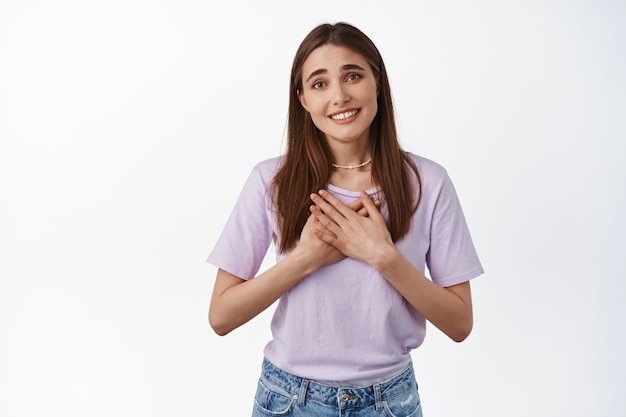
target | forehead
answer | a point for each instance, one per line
(332, 57)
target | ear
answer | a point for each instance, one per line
(302, 100)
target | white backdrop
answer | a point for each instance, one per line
(127, 128)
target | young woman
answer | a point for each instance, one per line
(355, 220)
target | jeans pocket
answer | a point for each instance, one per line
(272, 401)
(406, 404)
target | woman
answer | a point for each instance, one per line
(355, 220)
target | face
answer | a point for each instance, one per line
(339, 91)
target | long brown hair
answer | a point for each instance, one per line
(306, 166)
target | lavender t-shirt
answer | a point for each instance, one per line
(345, 324)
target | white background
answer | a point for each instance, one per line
(128, 127)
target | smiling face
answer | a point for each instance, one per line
(339, 91)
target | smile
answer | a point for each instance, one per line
(345, 115)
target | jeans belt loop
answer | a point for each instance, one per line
(302, 394)
(378, 398)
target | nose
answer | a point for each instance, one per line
(340, 94)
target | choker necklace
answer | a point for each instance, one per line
(369, 161)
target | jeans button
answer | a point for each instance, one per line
(345, 397)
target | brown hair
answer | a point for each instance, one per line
(306, 164)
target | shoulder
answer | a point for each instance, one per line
(271, 164)
(266, 170)
(429, 170)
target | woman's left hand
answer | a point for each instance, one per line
(363, 235)
(357, 235)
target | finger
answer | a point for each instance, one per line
(324, 221)
(356, 205)
(369, 205)
(376, 204)
(332, 206)
(362, 212)
(325, 235)
(358, 208)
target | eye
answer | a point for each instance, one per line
(317, 85)
(354, 77)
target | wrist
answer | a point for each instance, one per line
(301, 261)
(385, 259)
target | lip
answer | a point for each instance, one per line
(348, 119)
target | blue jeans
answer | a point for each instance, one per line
(282, 394)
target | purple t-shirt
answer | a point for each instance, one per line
(345, 324)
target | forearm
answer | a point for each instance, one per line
(236, 301)
(449, 309)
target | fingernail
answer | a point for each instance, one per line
(321, 192)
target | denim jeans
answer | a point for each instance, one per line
(282, 394)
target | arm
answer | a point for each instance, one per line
(366, 238)
(448, 308)
(235, 301)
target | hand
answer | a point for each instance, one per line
(359, 235)
(320, 252)
(324, 253)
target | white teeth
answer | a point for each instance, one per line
(342, 116)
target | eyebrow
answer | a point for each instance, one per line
(346, 67)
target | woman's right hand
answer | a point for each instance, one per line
(320, 252)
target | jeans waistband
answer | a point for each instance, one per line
(309, 390)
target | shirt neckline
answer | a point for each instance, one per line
(348, 193)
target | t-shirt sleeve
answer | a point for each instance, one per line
(452, 257)
(247, 235)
